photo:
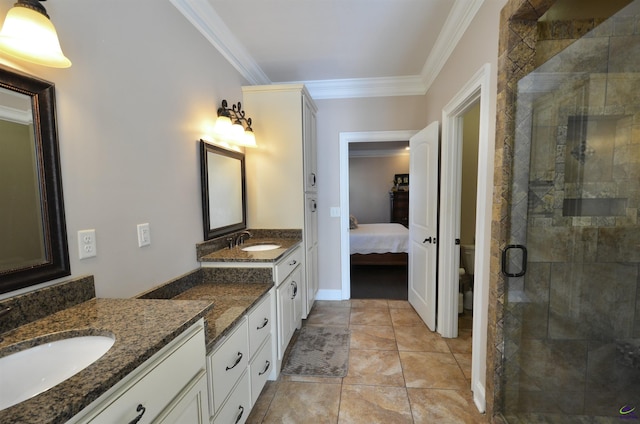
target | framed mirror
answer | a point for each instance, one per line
(33, 236)
(223, 190)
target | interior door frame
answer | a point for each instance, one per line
(477, 88)
(345, 139)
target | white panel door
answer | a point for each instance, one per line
(423, 223)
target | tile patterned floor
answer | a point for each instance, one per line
(399, 372)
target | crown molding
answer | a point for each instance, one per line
(202, 15)
(206, 20)
(365, 87)
(459, 19)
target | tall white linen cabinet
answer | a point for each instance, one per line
(281, 171)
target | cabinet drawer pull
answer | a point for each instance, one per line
(264, 324)
(238, 359)
(266, 368)
(140, 409)
(293, 262)
(239, 417)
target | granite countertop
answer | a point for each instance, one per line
(231, 300)
(141, 328)
(236, 254)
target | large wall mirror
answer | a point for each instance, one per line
(223, 190)
(33, 236)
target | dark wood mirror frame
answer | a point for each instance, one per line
(212, 229)
(56, 263)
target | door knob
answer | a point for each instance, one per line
(429, 240)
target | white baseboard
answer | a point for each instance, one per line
(329, 295)
(479, 397)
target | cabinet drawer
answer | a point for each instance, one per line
(287, 265)
(237, 408)
(260, 369)
(260, 324)
(227, 363)
(150, 386)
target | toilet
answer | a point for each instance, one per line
(468, 258)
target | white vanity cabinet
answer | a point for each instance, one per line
(282, 174)
(288, 272)
(229, 389)
(240, 364)
(170, 387)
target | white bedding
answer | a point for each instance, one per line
(379, 238)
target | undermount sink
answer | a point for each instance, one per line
(31, 371)
(260, 247)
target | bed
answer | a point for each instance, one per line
(379, 244)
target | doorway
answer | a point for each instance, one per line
(475, 91)
(345, 140)
(378, 202)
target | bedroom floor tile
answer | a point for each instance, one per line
(399, 372)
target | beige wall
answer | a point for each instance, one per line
(370, 180)
(478, 46)
(130, 112)
(350, 115)
(143, 85)
(470, 138)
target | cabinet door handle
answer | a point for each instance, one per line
(264, 324)
(241, 409)
(313, 179)
(266, 368)
(238, 359)
(295, 289)
(140, 409)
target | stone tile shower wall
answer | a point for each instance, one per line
(571, 326)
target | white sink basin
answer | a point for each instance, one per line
(29, 372)
(260, 247)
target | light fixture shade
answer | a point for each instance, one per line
(30, 35)
(222, 125)
(237, 132)
(249, 139)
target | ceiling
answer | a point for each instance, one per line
(338, 48)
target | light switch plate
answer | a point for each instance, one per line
(144, 235)
(335, 211)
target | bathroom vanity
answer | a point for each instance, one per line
(155, 341)
(285, 267)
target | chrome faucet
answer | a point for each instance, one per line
(240, 237)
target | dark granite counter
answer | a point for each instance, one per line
(217, 249)
(236, 254)
(231, 302)
(141, 328)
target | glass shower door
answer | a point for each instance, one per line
(572, 316)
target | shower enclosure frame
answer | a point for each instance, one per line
(516, 59)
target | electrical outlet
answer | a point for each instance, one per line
(87, 244)
(144, 235)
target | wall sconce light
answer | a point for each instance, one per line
(28, 34)
(233, 126)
